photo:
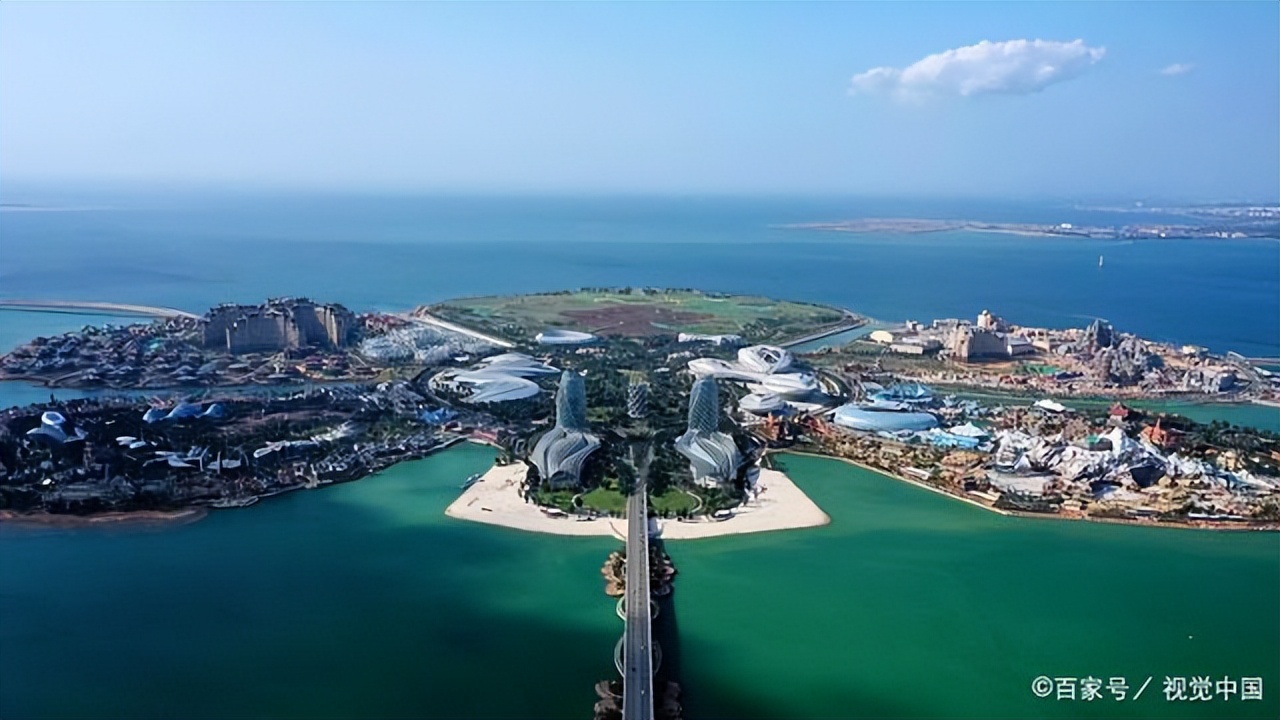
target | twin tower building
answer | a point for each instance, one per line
(562, 451)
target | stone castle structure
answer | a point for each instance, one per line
(279, 324)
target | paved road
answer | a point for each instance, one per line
(637, 681)
(430, 319)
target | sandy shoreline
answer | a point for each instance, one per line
(495, 500)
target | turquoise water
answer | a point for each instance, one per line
(364, 600)
(361, 600)
(911, 604)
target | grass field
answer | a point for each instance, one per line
(636, 313)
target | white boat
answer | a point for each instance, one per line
(1099, 261)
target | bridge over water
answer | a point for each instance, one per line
(637, 641)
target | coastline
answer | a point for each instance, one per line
(132, 518)
(1134, 522)
(494, 499)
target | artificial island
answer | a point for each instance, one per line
(219, 410)
(643, 414)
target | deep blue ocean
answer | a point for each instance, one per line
(191, 251)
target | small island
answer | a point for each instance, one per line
(586, 394)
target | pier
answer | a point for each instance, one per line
(95, 308)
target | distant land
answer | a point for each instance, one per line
(1216, 222)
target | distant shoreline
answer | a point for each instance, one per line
(1146, 231)
(108, 519)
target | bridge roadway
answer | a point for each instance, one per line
(95, 308)
(637, 680)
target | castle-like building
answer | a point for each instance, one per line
(279, 324)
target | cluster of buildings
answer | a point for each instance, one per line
(1140, 476)
(276, 325)
(98, 454)
(769, 372)
(1090, 360)
(282, 340)
(990, 338)
(420, 344)
(560, 453)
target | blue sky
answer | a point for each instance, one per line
(1156, 100)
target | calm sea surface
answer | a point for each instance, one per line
(394, 253)
(363, 600)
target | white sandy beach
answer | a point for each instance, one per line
(495, 500)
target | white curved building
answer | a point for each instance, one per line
(517, 364)
(494, 379)
(561, 452)
(557, 336)
(796, 386)
(765, 359)
(764, 367)
(762, 403)
(52, 429)
(872, 418)
(713, 456)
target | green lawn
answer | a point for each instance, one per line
(604, 499)
(672, 501)
(607, 499)
(743, 314)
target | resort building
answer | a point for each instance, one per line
(766, 368)
(762, 404)
(556, 336)
(637, 400)
(279, 324)
(969, 343)
(500, 378)
(881, 418)
(53, 429)
(561, 452)
(713, 456)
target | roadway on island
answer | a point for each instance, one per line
(637, 681)
(427, 318)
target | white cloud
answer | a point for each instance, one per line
(1177, 69)
(1012, 67)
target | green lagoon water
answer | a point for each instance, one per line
(364, 600)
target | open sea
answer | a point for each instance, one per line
(364, 600)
